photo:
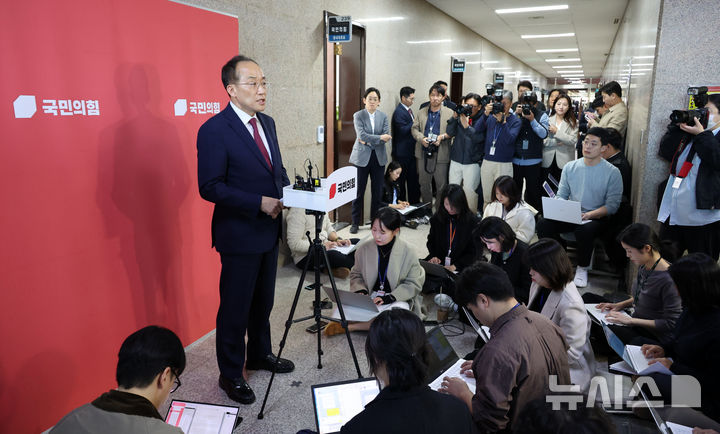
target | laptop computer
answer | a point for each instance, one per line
(634, 359)
(481, 330)
(444, 361)
(435, 269)
(336, 403)
(562, 210)
(357, 307)
(199, 417)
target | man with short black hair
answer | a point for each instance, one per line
(597, 185)
(466, 151)
(150, 362)
(617, 114)
(525, 354)
(525, 86)
(403, 146)
(446, 96)
(529, 143)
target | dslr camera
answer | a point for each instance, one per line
(498, 106)
(686, 116)
(526, 103)
(465, 109)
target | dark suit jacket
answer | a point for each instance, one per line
(403, 143)
(233, 174)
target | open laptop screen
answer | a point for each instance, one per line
(442, 354)
(336, 403)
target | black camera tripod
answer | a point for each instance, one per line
(317, 250)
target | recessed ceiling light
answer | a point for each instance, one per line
(643, 57)
(637, 69)
(573, 59)
(485, 62)
(550, 35)
(642, 64)
(466, 53)
(430, 41)
(647, 46)
(380, 19)
(556, 50)
(531, 9)
(576, 71)
(567, 66)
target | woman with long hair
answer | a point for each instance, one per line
(554, 295)
(559, 148)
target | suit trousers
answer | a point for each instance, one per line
(440, 175)
(409, 182)
(467, 175)
(247, 293)
(489, 172)
(585, 235)
(694, 239)
(532, 177)
(376, 172)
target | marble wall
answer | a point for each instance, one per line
(286, 38)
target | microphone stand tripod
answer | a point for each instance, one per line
(317, 250)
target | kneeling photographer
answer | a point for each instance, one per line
(690, 204)
(432, 147)
(527, 162)
(501, 128)
(466, 151)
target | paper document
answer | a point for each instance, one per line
(599, 316)
(454, 371)
(345, 250)
(676, 428)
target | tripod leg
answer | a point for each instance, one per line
(343, 321)
(288, 323)
(319, 250)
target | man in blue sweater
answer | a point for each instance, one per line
(597, 185)
(501, 130)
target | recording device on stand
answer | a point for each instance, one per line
(700, 97)
(309, 184)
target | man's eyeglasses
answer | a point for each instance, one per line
(587, 142)
(256, 85)
(176, 383)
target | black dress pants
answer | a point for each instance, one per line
(532, 176)
(585, 235)
(409, 181)
(376, 173)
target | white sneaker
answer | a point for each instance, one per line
(581, 277)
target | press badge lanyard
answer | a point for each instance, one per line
(452, 237)
(641, 282)
(496, 134)
(382, 277)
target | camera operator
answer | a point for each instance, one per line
(466, 151)
(432, 148)
(527, 161)
(501, 128)
(690, 206)
(523, 87)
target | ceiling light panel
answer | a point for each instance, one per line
(430, 41)
(556, 50)
(531, 9)
(574, 59)
(550, 35)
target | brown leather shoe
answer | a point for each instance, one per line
(333, 329)
(341, 272)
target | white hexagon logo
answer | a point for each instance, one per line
(180, 107)
(25, 106)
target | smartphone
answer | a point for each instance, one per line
(314, 328)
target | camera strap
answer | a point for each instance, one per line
(687, 164)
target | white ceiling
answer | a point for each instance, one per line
(594, 22)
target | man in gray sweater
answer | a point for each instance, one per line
(598, 186)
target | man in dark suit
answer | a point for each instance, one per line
(240, 170)
(403, 146)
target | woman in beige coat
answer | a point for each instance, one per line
(386, 269)
(559, 147)
(554, 295)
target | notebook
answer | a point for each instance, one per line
(634, 361)
(336, 403)
(562, 210)
(201, 418)
(444, 361)
(410, 208)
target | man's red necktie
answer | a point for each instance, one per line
(258, 140)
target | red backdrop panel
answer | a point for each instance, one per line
(102, 230)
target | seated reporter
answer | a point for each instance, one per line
(508, 205)
(386, 269)
(507, 252)
(515, 366)
(554, 295)
(391, 187)
(150, 362)
(466, 150)
(397, 353)
(695, 347)
(655, 298)
(690, 206)
(298, 224)
(597, 185)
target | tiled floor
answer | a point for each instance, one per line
(289, 407)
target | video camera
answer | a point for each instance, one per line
(700, 96)
(526, 102)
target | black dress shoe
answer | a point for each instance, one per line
(237, 389)
(284, 365)
(354, 229)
